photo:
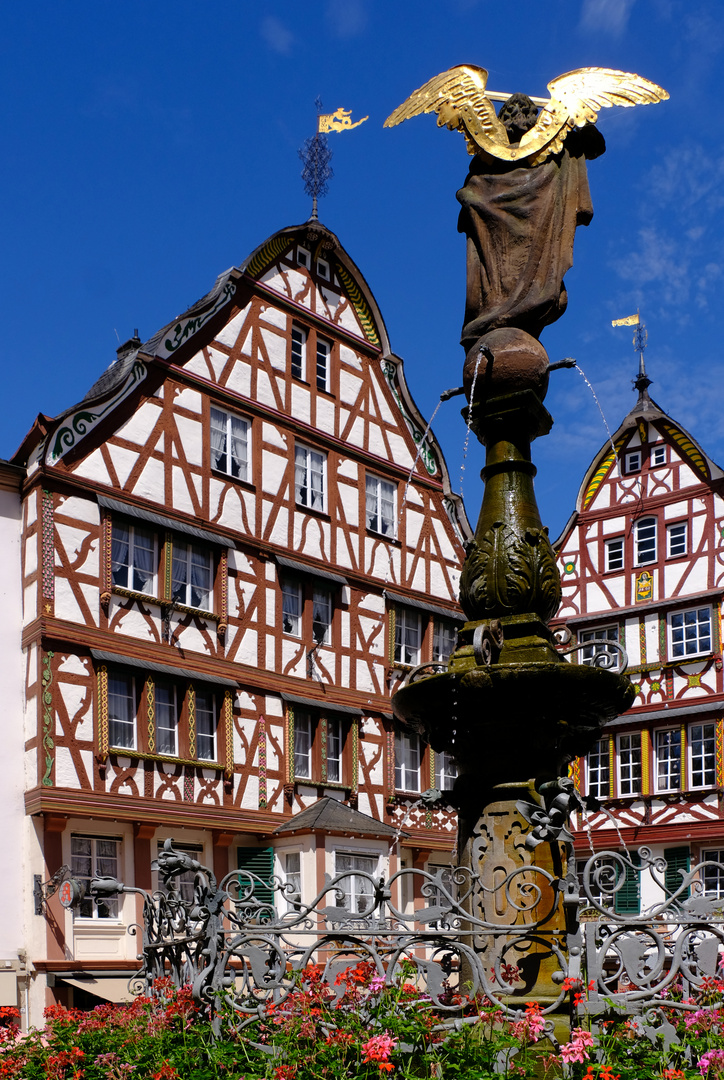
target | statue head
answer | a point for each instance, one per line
(518, 114)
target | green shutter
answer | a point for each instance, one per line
(627, 900)
(260, 863)
(677, 858)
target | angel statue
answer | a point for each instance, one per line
(525, 193)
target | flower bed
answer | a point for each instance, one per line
(362, 1028)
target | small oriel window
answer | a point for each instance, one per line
(292, 608)
(690, 632)
(633, 461)
(133, 558)
(658, 454)
(444, 640)
(407, 761)
(408, 636)
(94, 856)
(191, 577)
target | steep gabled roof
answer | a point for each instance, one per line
(330, 816)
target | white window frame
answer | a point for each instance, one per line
(408, 636)
(444, 640)
(614, 550)
(335, 749)
(310, 478)
(323, 269)
(298, 352)
(716, 876)
(189, 555)
(598, 770)
(233, 431)
(668, 759)
(446, 771)
(633, 461)
(322, 612)
(702, 761)
(122, 724)
(161, 717)
(292, 871)
(210, 724)
(323, 356)
(677, 539)
(643, 546)
(133, 571)
(304, 731)
(356, 889)
(684, 645)
(658, 455)
(304, 258)
(183, 883)
(101, 865)
(292, 607)
(595, 644)
(408, 761)
(380, 506)
(629, 771)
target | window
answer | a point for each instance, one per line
(598, 770)
(304, 258)
(676, 539)
(444, 640)
(678, 859)
(633, 461)
(166, 718)
(658, 454)
(702, 755)
(627, 900)
(183, 883)
(598, 647)
(309, 477)
(122, 711)
(408, 636)
(133, 558)
(293, 880)
(446, 770)
(322, 616)
(614, 554)
(229, 444)
(191, 576)
(94, 856)
(629, 764)
(324, 352)
(607, 874)
(645, 541)
(380, 505)
(205, 725)
(292, 608)
(713, 873)
(319, 743)
(256, 873)
(668, 759)
(299, 351)
(323, 269)
(407, 761)
(690, 632)
(357, 890)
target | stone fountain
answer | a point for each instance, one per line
(510, 707)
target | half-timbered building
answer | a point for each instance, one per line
(642, 565)
(233, 550)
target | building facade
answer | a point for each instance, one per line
(642, 565)
(233, 550)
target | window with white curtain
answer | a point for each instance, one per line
(206, 725)
(309, 477)
(407, 761)
(191, 576)
(380, 505)
(133, 558)
(122, 710)
(166, 711)
(229, 444)
(357, 890)
(95, 856)
(408, 636)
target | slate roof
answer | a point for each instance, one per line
(332, 816)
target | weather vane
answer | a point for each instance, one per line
(639, 343)
(316, 154)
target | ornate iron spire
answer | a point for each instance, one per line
(642, 382)
(316, 155)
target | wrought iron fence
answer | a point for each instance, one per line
(242, 942)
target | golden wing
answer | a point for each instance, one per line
(458, 97)
(585, 91)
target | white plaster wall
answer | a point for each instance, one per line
(150, 483)
(240, 379)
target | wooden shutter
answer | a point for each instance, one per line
(627, 900)
(260, 862)
(677, 858)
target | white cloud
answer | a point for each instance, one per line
(347, 18)
(277, 36)
(609, 16)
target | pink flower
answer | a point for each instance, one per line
(377, 983)
(577, 1048)
(377, 1051)
(712, 1060)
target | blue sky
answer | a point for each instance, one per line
(147, 147)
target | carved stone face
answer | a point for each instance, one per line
(518, 114)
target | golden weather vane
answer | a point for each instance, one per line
(341, 120)
(462, 103)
